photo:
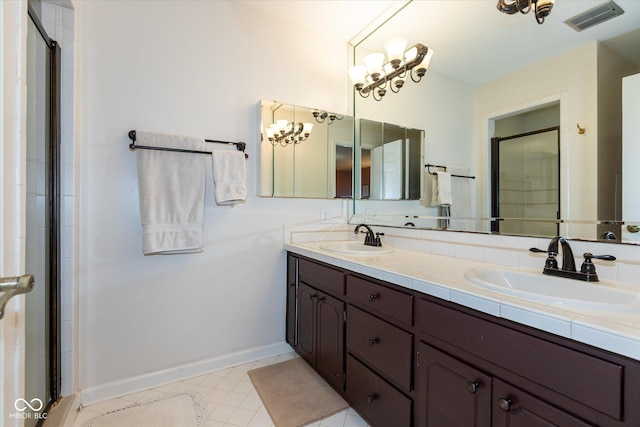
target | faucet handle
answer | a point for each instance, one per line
(589, 255)
(551, 261)
(589, 268)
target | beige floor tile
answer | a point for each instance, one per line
(227, 397)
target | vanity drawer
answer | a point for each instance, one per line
(321, 277)
(384, 347)
(381, 299)
(584, 378)
(375, 399)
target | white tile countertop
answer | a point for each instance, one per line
(443, 277)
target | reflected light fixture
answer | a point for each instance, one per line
(284, 133)
(541, 8)
(375, 76)
(321, 116)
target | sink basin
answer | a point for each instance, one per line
(354, 248)
(532, 285)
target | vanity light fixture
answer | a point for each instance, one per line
(375, 76)
(321, 116)
(541, 8)
(284, 133)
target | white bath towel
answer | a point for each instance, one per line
(171, 188)
(229, 177)
(461, 206)
(441, 189)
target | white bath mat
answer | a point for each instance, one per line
(181, 410)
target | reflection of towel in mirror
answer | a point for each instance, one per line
(171, 187)
(441, 189)
(461, 206)
(229, 177)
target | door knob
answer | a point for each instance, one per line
(372, 397)
(472, 386)
(12, 286)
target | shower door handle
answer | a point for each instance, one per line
(12, 286)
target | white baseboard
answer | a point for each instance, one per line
(125, 386)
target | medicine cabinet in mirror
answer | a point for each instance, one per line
(309, 153)
(489, 67)
(305, 152)
(391, 161)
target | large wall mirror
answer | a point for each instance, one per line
(494, 75)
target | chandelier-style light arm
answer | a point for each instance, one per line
(541, 8)
(284, 133)
(421, 52)
(522, 6)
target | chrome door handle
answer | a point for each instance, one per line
(12, 286)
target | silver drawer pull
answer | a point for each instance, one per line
(12, 286)
(373, 297)
(373, 341)
(505, 404)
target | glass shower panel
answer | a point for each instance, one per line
(38, 225)
(529, 184)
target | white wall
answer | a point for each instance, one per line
(193, 68)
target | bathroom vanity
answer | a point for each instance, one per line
(402, 357)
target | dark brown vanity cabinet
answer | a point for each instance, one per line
(410, 359)
(319, 319)
(379, 352)
(450, 393)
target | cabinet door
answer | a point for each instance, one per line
(514, 408)
(449, 392)
(330, 340)
(292, 291)
(306, 323)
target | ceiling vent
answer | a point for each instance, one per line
(594, 16)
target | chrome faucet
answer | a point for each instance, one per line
(587, 271)
(371, 239)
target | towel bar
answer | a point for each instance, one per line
(429, 166)
(240, 146)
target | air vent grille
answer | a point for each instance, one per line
(594, 16)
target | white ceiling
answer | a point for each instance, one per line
(335, 18)
(472, 41)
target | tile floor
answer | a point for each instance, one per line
(227, 395)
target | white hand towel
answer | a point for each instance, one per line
(441, 189)
(229, 177)
(171, 188)
(461, 207)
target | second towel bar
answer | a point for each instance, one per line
(429, 166)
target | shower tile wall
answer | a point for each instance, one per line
(60, 25)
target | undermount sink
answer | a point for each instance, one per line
(532, 285)
(354, 248)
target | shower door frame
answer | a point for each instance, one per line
(53, 212)
(495, 176)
